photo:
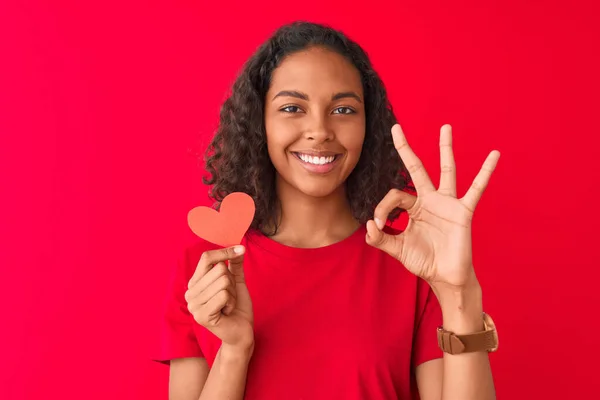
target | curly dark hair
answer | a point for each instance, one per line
(237, 158)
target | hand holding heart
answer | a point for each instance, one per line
(219, 300)
(217, 295)
(436, 244)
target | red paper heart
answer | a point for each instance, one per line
(227, 226)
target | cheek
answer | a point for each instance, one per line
(355, 145)
(279, 138)
(281, 133)
(277, 143)
(353, 142)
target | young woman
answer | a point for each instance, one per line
(322, 300)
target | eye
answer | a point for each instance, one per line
(344, 110)
(290, 109)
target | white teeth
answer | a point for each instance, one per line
(316, 160)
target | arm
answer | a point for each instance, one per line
(187, 377)
(436, 246)
(192, 379)
(465, 376)
(218, 299)
(227, 377)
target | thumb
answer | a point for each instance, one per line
(236, 267)
(236, 263)
(383, 241)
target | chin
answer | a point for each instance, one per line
(317, 189)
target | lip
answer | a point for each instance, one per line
(318, 169)
(317, 153)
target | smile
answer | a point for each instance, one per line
(315, 159)
(318, 164)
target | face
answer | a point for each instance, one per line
(315, 121)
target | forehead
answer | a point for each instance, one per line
(316, 70)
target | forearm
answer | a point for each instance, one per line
(467, 376)
(227, 377)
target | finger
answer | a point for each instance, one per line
(230, 306)
(215, 306)
(218, 270)
(394, 198)
(223, 283)
(383, 241)
(448, 165)
(473, 195)
(212, 257)
(411, 161)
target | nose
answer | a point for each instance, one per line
(319, 131)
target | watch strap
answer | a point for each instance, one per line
(456, 344)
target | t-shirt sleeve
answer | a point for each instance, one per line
(176, 329)
(429, 318)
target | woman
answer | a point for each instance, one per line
(322, 300)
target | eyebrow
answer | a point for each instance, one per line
(304, 96)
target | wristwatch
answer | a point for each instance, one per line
(487, 340)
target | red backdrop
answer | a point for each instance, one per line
(103, 106)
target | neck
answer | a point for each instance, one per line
(310, 222)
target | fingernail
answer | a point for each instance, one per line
(238, 249)
(379, 223)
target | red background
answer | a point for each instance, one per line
(103, 106)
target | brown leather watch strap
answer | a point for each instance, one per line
(457, 344)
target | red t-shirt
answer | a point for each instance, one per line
(345, 321)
